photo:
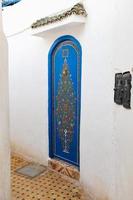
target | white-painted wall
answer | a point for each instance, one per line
(106, 129)
(4, 119)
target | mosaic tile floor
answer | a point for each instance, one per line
(48, 186)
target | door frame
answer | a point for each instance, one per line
(56, 42)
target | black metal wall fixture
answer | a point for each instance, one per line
(118, 94)
(127, 78)
(122, 91)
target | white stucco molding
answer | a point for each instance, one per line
(67, 23)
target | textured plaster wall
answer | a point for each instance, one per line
(123, 119)
(106, 129)
(4, 122)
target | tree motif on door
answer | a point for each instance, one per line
(65, 108)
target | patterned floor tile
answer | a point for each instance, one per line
(47, 186)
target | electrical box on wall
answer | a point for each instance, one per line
(122, 91)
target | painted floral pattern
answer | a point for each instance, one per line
(65, 108)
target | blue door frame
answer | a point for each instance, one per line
(71, 43)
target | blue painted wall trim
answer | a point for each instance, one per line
(57, 41)
(9, 2)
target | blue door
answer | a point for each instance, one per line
(64, 99)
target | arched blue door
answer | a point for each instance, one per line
(64, 99)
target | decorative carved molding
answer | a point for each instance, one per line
(77, 9)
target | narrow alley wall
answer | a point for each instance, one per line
(4, 118)
(106, 129)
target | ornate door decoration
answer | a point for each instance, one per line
(64, 99)
(66, 106)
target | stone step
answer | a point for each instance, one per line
(64, 168)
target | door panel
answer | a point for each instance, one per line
(65, 101)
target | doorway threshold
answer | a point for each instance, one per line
(64, 168)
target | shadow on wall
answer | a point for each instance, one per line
(97, 193)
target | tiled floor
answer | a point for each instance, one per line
(47, 186)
